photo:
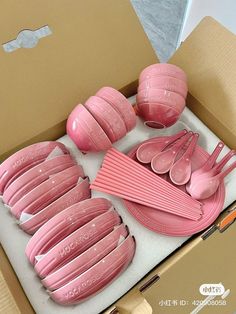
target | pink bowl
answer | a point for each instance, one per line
(98, 276)
(157, 115)
(86, 260)
(162, 69)
(75, 195)
(161, 96)
(25, 159)
(121, 104)
(168, 83)
(107, 117)
(85, 131)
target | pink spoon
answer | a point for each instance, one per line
(162, 162)
(206, 186)
(180, 172)
(147, 151)
(212, 172)
(210, 161)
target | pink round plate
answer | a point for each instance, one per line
(168, 224)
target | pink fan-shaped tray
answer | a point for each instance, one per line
(168, 224)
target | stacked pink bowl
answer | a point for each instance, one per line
(104, 119)
(161, 94)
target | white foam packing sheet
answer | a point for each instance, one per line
(151, 248)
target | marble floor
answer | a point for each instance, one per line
(162, 21)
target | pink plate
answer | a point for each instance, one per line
(172, 225)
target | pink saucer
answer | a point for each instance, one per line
(48, 191)
(35, 176)
(25, 159)
(121, 104)
(172, 225)
(86, 260)
(107, 117)
(98, 276)
(75, 195)
(85, 131)
(162, 69)
(157, 115)
(63, 224)
(167, 98)
(77, 242)
(169, 83)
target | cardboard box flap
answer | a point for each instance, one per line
(209, 59)
(90, 41)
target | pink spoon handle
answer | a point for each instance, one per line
(191, 146)
(219, 166)
(178, 146)
(226, 171)
(212, 159)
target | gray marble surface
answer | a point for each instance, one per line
(162, 21)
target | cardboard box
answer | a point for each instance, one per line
(42, 103)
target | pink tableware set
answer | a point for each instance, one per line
(169, 184)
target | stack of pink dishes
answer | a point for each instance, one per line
(39, 181)
(161, 94)
(102, 120)
(81, 250)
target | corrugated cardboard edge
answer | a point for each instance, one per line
(137, 295)
(208, 57)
